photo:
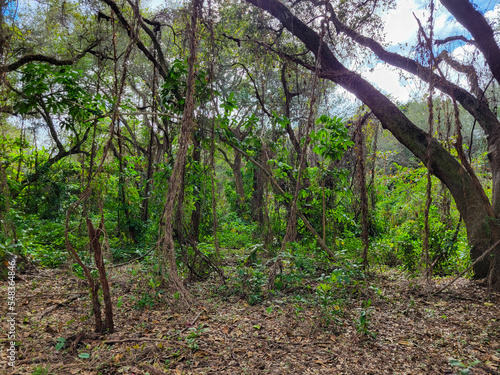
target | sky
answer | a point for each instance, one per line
(401, 33)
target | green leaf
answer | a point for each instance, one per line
(84, 355)
(61, 341)
(456, 363)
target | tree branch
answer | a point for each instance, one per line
(132, 36)
(440, 42)
(42, 58)
(477, 108)
(443, 165)
(465, 13)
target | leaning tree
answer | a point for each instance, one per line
(323, 25)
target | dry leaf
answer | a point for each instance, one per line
(405, 343)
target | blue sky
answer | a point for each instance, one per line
(401, 34)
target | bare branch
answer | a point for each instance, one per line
(440, 42)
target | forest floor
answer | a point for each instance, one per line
(416, 332)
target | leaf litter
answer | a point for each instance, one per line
(455, 332)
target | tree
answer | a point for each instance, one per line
(479, 214)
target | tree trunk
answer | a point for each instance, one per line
(482, 232)
(99, 262)
(196, 213)
(360, 168)
(168, 249)
(238, 182)
(259, 183)
(149, 178)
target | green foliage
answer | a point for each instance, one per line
(51, 196)
(235, 232)
(44, 241)
(61, 342)
(330, 304)
(464, 369)
(399, 242)
(7, 250)
(332, 140)
(40, 370)
(58, 91)
(145, 302)
(364, 321)
(173, 90)
(249, 283)
(192, 337)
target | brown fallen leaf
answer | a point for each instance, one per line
(117, 357)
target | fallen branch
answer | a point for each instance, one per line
(39, 359)
(79, 337)
(131, 260)
(140, 339)
(51, 295)
(153, 370)
(483, 255)
(55, 307)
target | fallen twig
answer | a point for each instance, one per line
(153, 370)
(54, 307)
(78, 338)
(483, 255)
(51, 295)
(139, 339)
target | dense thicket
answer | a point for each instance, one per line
(195, 132)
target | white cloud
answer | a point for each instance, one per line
(400, 25)
(387, 79)
(493, 15)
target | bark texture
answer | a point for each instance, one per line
(168, 249)
(481, 230)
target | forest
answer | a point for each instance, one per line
(231, 187)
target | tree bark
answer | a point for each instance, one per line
(360, 168)
(481, 230)
(481, 31)
(196, 213)
(168, 249)
(238, 182)
(259, 183)
(94, 235)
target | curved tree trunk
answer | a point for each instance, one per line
(482, 232)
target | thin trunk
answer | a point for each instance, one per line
(99, 262)
(291, 230)
(168, 249)
(93, 285)
(430, 122)
(149, 177)
(373, 191)
(360, 155)
(323, 206)
(196, 213)
(238, 181)
(259, 183)
(214, 202)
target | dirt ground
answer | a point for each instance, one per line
(416, 332)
